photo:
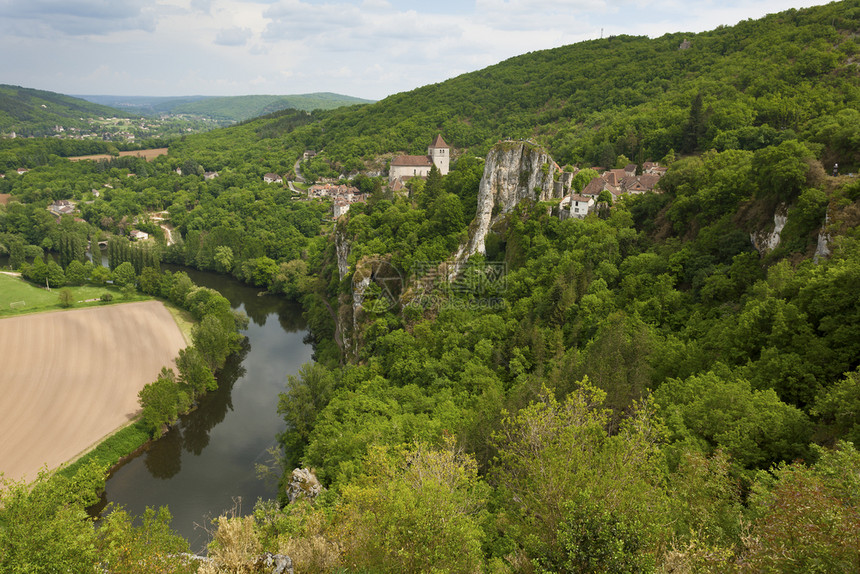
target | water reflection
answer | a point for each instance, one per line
(207, 460)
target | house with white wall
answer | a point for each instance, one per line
(405, 166)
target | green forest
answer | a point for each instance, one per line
(641, 390)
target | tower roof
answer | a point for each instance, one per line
(439, 143)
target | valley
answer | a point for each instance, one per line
(566, 313)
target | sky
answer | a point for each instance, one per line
(363, 48)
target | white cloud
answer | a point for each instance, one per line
(233, 37)
(368, 48)
(79, 18)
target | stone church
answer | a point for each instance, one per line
(405, 166)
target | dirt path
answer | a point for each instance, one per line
(68, 379)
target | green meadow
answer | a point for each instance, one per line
(18, 296)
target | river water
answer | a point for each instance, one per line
(206, 464)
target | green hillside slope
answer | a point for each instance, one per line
(791, 73)
(228, 108)
(36, 112)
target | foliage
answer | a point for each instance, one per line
(151, 546)
(807, 518)
(67, 298)
(554, 455)
(44, 527)
(716, 410)
(162, 401)
(415, 511)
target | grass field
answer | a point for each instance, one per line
(147, 154)
(14, 290)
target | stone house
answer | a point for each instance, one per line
(62, 207)
(580, 205)
(405, 166)
(272, 178)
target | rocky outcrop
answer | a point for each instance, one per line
(268, 563)
(822, 250)
(341, 247)
(765, 241)
(303, 484)
(513, 172)
(275, 564)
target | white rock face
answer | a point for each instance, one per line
(764, 241)
(341, 244)
(822, 250)
(513, 171)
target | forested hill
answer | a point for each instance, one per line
(26, 110)
(793, 73)
(229, 108)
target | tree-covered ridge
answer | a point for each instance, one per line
(229, 108)
(792, 74)
(239, 108)
(36, 111)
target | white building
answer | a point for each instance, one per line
(580, 205)
(405, 166)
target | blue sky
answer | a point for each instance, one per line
(364, 48)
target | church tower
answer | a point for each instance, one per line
(440, 154)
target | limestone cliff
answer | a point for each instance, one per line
(513, 172)
(765, 241)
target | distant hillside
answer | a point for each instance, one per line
(786, 75)
(229, 108)
(36, 112)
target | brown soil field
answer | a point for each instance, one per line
(69, 379)
(4, 198)
(147, 154)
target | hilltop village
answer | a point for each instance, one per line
(575, 200)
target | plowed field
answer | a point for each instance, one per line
(68, 379)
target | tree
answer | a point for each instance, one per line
(214, 341)
(555, 453)
(839, 407)
(414, 511)
(306, 395)
(694, 130)
(67, 298)
(432, 187)
(223, 259)
(44, 525)
(150, 281)
(100, 275)
(161, 401)
(781, 171)
(77, 273)
(125, 548)
(194, 374)
(124, 274)
(807, 518)
(54, 274)
(720, 410)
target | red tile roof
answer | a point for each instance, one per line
(440, 143)
(411, 160)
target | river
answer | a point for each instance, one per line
(206, 463)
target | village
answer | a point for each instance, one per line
(606, 188)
